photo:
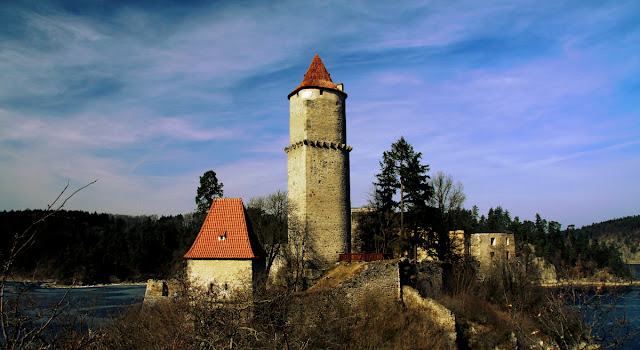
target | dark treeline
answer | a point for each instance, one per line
(81, 247)
(624, 230)
(574, 253)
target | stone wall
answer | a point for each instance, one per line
(225, 276)
(318, 176)
(425, 276)
(488, 248)
(162, 289)
(375, 278)
(443, 317)
(317, 114)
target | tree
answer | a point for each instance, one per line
(268, 216)
(447, 196)
(402, 172)
(447, 199)
(209, 189)
(23, 326)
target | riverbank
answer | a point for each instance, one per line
(591, 284)
(54, 284)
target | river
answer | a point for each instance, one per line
(92, 306)
(95, 305)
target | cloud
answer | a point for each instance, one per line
(147, 97)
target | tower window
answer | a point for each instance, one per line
(507, 241)
(493, 241)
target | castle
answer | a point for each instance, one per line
(226, 255)
(318, 170)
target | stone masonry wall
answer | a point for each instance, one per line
(425, 276)
(162, 289)
(226, 275)
(317, 114)
(318, 175)
(492, 247)
(377, 278)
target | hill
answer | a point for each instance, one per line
(624, 233)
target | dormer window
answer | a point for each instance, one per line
(222, 237)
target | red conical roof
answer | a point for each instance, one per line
(225, 234)
(316, 77)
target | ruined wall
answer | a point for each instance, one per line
(318, 175)
(376, 278)
(162, 289)
(488, 248)
(443, 317)
(425, 276)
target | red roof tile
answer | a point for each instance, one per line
(225, 234)
(316, 77)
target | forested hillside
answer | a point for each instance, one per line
(624, 233)
(80, 247)
(574, 253)
(626, 229)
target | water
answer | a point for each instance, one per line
(95, 305)
(86, 308)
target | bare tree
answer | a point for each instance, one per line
(447, 196)
(20, 328)
(268, 216)
(297, 250)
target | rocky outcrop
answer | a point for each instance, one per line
(630, 255)
(547, 270)
(442, 316)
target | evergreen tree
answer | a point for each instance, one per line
(403, 175)
(209, 189)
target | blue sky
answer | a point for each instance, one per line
(532, 105)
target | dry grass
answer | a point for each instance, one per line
(342, 272)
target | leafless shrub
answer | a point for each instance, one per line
(22, 322)
(578, 317)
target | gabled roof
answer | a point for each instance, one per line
(225, 234)
(316, 77)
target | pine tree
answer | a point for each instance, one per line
(403, 175)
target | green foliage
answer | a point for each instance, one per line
(403, 175)
(209, 189)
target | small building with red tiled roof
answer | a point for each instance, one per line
(226, 255)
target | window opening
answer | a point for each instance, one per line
(493, 241)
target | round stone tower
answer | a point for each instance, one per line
(318, 171)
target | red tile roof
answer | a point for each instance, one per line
(316, 77)
(225, 234)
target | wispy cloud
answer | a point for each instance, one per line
(516, 100)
